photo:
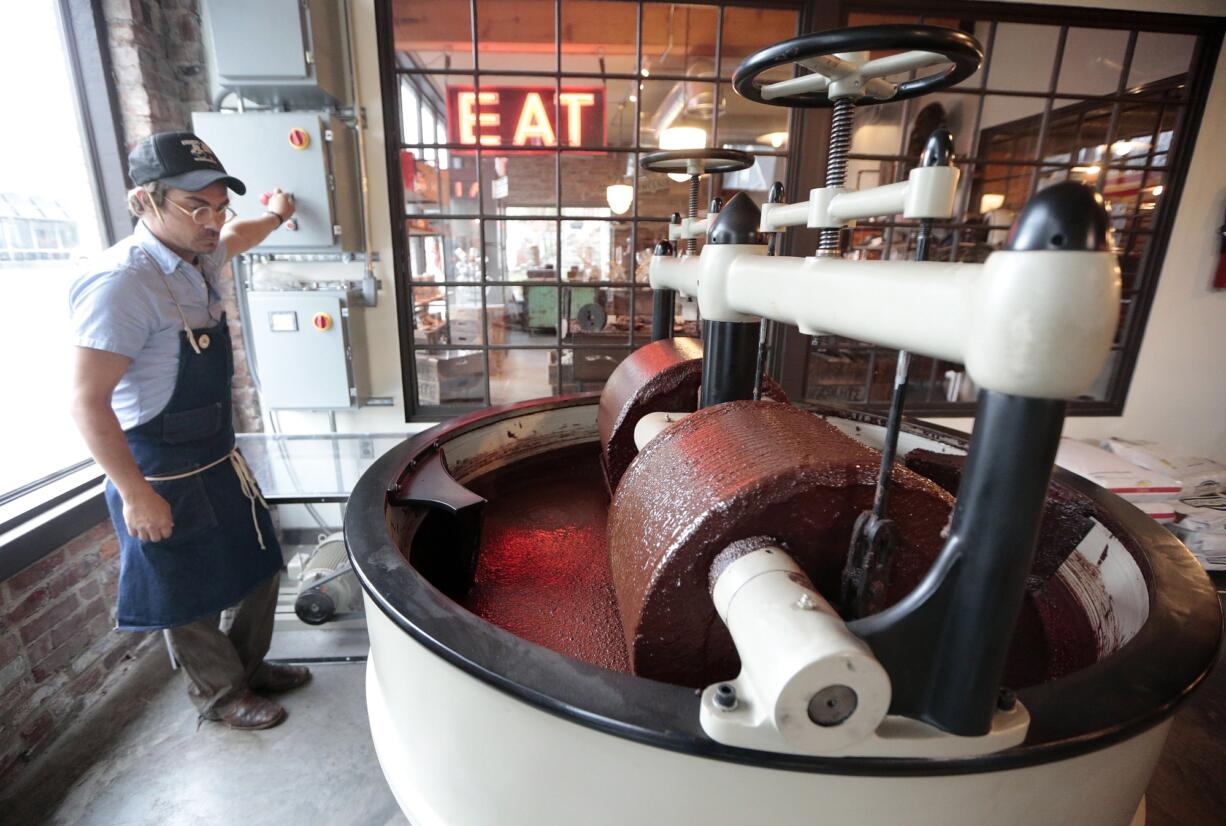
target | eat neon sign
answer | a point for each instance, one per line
(525, 116)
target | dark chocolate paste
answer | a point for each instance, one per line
(731, 472)
(661, 377)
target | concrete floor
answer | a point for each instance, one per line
(138, 759)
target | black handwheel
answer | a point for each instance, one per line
(817, 53)
(697, 161)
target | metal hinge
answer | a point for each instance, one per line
(336, 230)
(310, 58)
(328, 135)
(331, 181)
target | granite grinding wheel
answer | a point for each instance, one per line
(661, 377)
(731, 472)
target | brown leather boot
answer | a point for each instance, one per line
(274, 679)
(251, 712)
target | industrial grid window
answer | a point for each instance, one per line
(515, 129)
(1080, 94)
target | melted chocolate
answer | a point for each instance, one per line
(543, 570)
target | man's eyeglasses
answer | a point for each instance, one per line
(206, 215)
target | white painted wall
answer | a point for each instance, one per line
(1178, 393)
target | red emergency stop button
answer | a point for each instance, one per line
(321, 321)
(299, 138)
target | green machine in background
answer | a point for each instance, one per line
(542, 304)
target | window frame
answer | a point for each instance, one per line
(391, 70)
(45, 513)
(795, 350)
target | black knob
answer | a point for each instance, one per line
(1065, 217)
(737, 222)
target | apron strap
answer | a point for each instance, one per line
(191, 337)
(246, 480)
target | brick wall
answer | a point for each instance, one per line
(57, 645)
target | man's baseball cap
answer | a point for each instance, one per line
(180, 160)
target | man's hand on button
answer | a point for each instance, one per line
(282, 203)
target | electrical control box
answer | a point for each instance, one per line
(301, 345)
(309, 154)
(283, 52)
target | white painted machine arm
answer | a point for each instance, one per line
(690, 228)
(928, 192)
(1036, 324)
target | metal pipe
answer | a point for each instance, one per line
(370, 283)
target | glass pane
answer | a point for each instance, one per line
(659, 196)
(620, 112)
(519, 374)
(521, 250)
(1092, 61)
(1144, 134)
(1076, 132)
(539, 312)
(428, 113)
(48, 224)
(1009, 128)
(450, 377)
(1022, 57)
(516, 34)
(444, 249)
(648, 233)
(525, 181)
(642, 316)
(585, 370)
(679, 39)
(598, 37)
(432, 34)
(586, 179)
(1159, 56)
(447, 315)
(587, 248)
(668, 104)
(437, 181)
(756, 180)
(596, 315)
(746, 30)
(743, 122)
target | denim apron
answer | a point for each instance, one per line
(223, 543)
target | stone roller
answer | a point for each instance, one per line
(661, 377)
(732, 472)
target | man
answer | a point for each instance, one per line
(151, 396)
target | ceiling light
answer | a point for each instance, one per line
(990, 201)
(619, 197)
(775, 139)
(683, 137)
(1088, 170)
(1158, 190)
(1122, 148)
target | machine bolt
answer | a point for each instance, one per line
(1006, 700)
(833, 705)
(725, 697)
